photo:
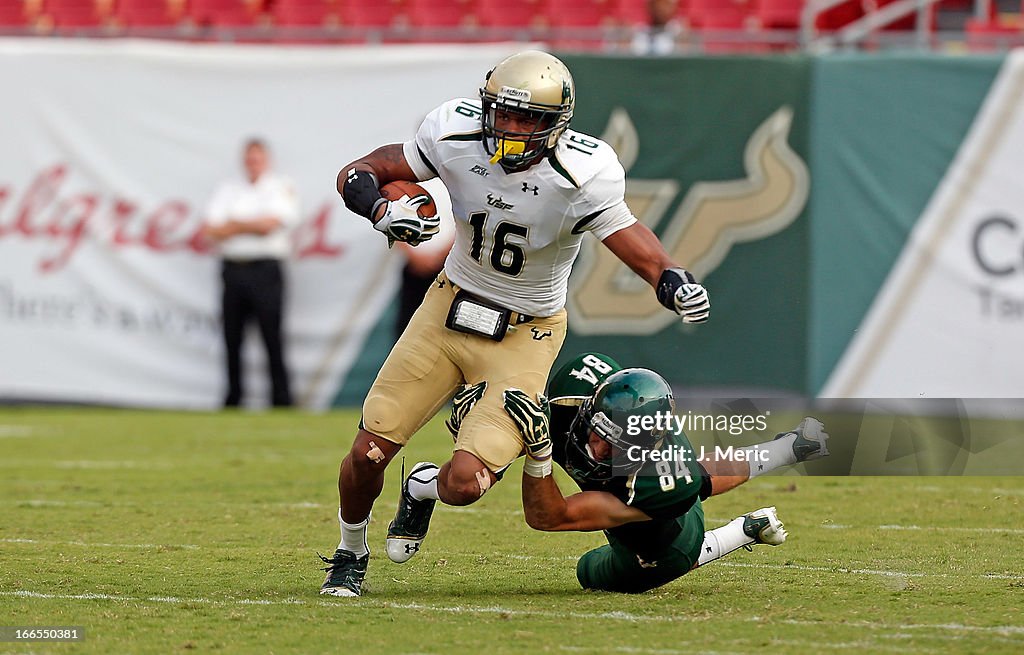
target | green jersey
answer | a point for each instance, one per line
(664, 490)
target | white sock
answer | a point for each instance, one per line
(768, 456)
(722, 541)
(353, 536)
(423, 482)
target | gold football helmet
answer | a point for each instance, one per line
(533, 84)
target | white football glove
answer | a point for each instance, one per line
(402, 222)
(692, 303)
(532, 420)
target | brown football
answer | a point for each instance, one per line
(395, 190)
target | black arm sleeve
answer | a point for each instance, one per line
(670, 280)
(361, 193)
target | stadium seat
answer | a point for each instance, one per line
(837, 17)
(990, 35)
(226, 13)
(149, 13)
(305, 13)
(635, 12)
(19, 13)
(631, 12)
(79, 13)
(511, 13)
(579, 13)
(371, 13)
(719, 14)
(441, 13)
(779, 14)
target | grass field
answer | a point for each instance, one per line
(165, 532)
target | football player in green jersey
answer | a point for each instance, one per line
(649, 506)
(592, 424)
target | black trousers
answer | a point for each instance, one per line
(410, 295)
(254, 289)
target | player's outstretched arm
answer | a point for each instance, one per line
(547, 509)
(676, 289)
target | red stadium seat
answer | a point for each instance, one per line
(579, 13)
(79, 13)
(993, 35)
(19, 13)
(441, 13)
(839, 16)
(636, 12)
(149, 13)
(511, 13)
(779, 14)
(305, 13)
(632, 12)
(371, 13)
(719, 14)
(226, 13)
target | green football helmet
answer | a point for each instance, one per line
(614, 413)
(535, 84)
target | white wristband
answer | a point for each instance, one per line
(537, 468)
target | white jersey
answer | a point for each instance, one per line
(518, 234)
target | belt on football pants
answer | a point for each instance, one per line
(515, 318)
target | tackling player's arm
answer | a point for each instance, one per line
(547, 509)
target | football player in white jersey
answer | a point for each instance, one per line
(524, 190)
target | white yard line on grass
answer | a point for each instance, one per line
(17, 431)
(92, 544)
(510, 612)
(777, 567)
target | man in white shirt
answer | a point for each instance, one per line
(525, 189)
(250, 220)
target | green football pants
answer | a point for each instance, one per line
(616, 568)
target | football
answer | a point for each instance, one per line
(395, 190)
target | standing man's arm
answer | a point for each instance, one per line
(637, 247)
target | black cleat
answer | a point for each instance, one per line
(412, 520)
(345, 573)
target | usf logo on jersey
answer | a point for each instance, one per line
(607, 298)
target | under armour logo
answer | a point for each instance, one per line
(708, 548)
(412, 548)
(440, 283)
(760, 467)
(527, 187)
(538, 335)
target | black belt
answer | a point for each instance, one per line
(515, 318)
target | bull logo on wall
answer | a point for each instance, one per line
(607, 298)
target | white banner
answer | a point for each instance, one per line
(110, 152)
(949, 321)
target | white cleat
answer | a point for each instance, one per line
(764, 527)
(811, 440)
